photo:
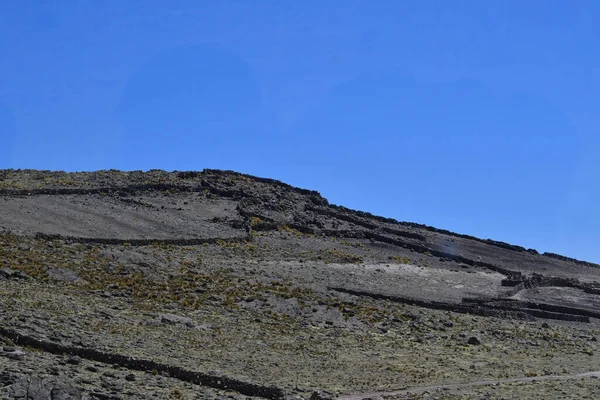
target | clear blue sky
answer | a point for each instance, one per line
(481, 117)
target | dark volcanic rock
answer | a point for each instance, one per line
(7, 273)
(37, 388)
(474, 340)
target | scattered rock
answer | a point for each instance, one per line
(79, 341)
(414, 316)
(104, 396)
(130, 377)
(64, 275)
(14, 355)
(7, 273)
(36, 388)
(321, 395)
(24, 247)
(105, 314)
(474, 340)
(173, 319)
(114, 385)
(65, 392)
(73, 360)
(204, 327)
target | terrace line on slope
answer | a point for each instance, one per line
(199, 378)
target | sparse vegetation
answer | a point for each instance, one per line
(400, 259)
(261, 308)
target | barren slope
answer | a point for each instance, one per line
(215, 284)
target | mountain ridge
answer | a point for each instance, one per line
(194, 175)
(221, 285)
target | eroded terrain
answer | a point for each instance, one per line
(221, 285)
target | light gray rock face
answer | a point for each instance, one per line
(37, 388)
(64, 275)
(172, 319)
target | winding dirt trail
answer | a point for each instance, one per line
(421, 389)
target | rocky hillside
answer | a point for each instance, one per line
(216, 284)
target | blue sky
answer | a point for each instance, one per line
(481, 117)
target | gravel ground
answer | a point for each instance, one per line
(236, 286)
